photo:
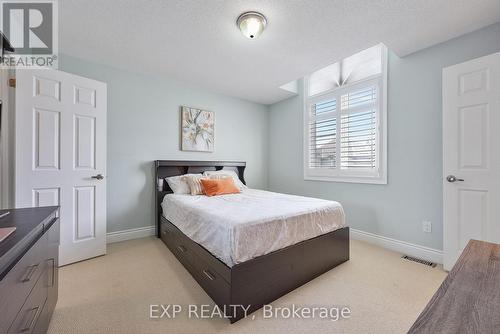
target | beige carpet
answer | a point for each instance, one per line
(112, 294)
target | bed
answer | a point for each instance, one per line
(250, 248)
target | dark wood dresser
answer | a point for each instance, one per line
(28, 270)
(468, 301)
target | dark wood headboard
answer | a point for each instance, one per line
(167, 168)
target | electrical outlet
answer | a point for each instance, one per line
(427, 226)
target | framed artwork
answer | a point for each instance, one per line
(197, 127)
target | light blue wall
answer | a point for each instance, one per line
(143, 125)
(414, 189)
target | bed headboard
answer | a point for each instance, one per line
(166, 168)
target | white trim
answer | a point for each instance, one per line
(382, 126)
(133, 233)
(399, 246)
(395, 245)
(354, 179)
(7, 138)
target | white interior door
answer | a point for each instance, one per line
(60, 151)
(471, 151)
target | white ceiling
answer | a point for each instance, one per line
(197, 41)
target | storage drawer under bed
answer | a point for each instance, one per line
(206, 274)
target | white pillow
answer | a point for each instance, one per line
(178, 185)
(224, 173)
(194, 183)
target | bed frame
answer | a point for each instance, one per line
(258, 281)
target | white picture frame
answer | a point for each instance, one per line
(197, 130)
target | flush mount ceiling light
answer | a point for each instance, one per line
(251, 24)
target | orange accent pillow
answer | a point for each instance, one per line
(214, 187)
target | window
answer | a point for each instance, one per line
(345, 120)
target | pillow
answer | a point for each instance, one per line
(178, 185)
(214, 187)
(220, 174)
(194, 182)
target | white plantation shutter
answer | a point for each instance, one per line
(323, 132)
(358, 129)
(343, 140)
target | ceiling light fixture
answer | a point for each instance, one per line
(251, 24)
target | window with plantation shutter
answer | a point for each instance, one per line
(358, 126)
(345, 125)
(323, 132)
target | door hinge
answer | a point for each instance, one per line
(12, 83)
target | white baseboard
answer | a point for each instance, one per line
(421, 252)
(395, 245)
(133, 233)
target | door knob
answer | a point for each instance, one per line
(98, 177)
(453, 178)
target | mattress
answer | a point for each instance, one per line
(239, 227)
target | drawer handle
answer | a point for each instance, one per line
(208, 274)
(165, 232)
(30, 320)
(29, 273)
(52, 266)
(182, 248)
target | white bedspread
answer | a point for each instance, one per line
(239, 227)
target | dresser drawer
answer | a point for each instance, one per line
(52, 275)
(19, 282)
(26, 319)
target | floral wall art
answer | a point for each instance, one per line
(197, 129)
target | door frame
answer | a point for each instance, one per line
(7, 95)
